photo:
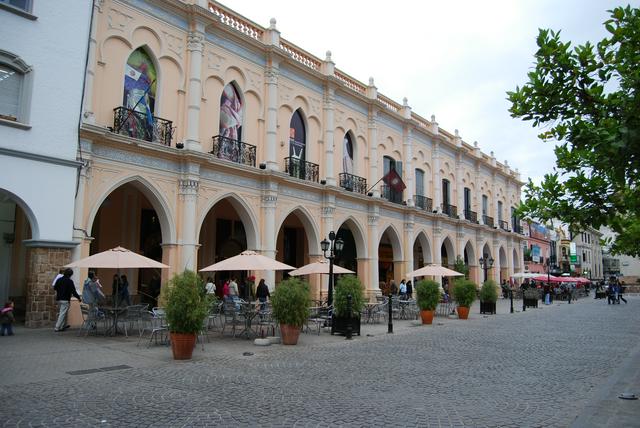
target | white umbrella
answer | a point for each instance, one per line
(321, 267)
(247, 260)
(434, 270)
(525, 275)
(117, 258)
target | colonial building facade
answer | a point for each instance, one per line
(205, 134)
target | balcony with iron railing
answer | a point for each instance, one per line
(471, 216)
(301, 169)
(234, 151)
(504, 225)
(391, 195)
(450, 210)
(487, 220)
(352, 183)
(139, 125)
(423, 202)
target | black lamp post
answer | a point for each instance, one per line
(486, 263)
(334, 247)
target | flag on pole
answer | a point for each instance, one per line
(393, 180)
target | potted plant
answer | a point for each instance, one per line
(341, 318)
(186, 309)
(488, 297)
(428, 296)
(290, 301)
(464, 293)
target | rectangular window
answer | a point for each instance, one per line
(445, 192)
(499, 210)
(10, 93)
(420, 182)
(485, 205)
(467, 199)
(19, 4)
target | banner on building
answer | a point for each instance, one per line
(573, 254)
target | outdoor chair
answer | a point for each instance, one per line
(264, 322)
(215, 314)
(91, 320)
(315, 321)
(132, 317)
(231, 318)
(380, 312)
(155, 327)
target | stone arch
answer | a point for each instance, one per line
(139, 33)
(396, 242)
(358, 233)
(471, 258)
(447, 248)
(425, 244)
(176, 63)
(155, 197)
(310, 227)
(28, 212)
(233, 73)
(244, 212)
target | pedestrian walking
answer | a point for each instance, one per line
(125, 297)
(621, 290)
(92, 292)
(210, 287)
(403, 289)
(7, 319)
(409, 290)
(262, 293)
(65, 289)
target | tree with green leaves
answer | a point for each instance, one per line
(460, 266)
(587, 99)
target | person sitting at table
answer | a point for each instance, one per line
(262, 293)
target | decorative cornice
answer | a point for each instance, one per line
(40, 158)
(195, 41)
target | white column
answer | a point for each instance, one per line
(373, 155)
(408, 244)
(189, 196)
(409, 173)
(271, 78)
(437, 179)
(269, 234)
(329, 126)
(195, 47)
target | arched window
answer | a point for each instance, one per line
(347, 154)
(231, 113)
(15, 88)
(297, 137)
(139, 95)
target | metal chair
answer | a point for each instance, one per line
(91, 319)
(155, 326)
(231, 318)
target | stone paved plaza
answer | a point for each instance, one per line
(559, 365)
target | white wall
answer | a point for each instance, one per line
(55, 46)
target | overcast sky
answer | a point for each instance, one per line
(454, 59)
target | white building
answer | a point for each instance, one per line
(43, 52)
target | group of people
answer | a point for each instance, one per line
(92, 294)
(403, 291)
(232, 292)
(615, 292)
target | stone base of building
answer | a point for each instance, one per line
(42, 266)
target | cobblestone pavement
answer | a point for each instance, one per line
(554, 366)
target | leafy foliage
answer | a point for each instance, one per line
(348, 284)
(464, 292)
(428, 294)
(587, 98)
(489, 291)
(291, 300)
(461, 267)
(186, 306)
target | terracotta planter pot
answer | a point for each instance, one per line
(427, 316)
(463, 312)
(182, 345)
(290, 334)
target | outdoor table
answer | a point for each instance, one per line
(113, 312)
(249, 312)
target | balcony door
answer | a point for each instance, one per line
(140, 94)
(297, 146)
(231, 113)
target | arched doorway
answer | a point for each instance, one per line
(486, 254)
(470, 260)
(504, 269)
(128, 218)
(15, 228)
(292, 242)
(421, 251)
(389, 256)
(223, 235)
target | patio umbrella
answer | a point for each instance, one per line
(434, 270)
(117, 258)
(247, 260)
(321, 267)
(524, 275)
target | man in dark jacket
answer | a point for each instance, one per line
(65, 288)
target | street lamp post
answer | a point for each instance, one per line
(486, 263)
(333, 247)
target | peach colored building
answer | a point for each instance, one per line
(205, 134)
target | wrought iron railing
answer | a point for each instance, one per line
(234, 150)
(487, 220)
(423, 202)
(450, 210)
(353, 183)
(472, 216)
(301, 169)
(390, 194)
(138, 125)
(504, 225)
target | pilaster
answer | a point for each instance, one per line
(271, 74)
(195, 48)
(329, 126)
